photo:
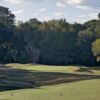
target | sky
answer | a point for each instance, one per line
(72, 10)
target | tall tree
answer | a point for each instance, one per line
(7, 51)
(6, 17)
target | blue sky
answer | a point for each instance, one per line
(72, 10)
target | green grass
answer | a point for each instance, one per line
(61, 69)
(84, 90)
(51, 82)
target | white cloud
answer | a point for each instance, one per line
(18, 12)
(83, 18)
(39, 11)
(59, 4)
(35, 14)
(42, 9)
(15, 1)
(19, 1)
(93, 15)
(83, 4)
(59, 14)
(84, 7)
(90, 15)
(72, 2)
(22, 1)
(46, 18)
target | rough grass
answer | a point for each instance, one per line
(84, 90)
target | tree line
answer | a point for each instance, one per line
(53, 42)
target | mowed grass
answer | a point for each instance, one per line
(61, 69)
(42, 82)
(22, 76)
(83, 90)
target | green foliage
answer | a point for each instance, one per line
(99, 15)
(54, 42)
(7, 36)
(96, 49)
(6, 17)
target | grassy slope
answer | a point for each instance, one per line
(61, 69)
(84, 90)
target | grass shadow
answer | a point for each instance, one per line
(12, 79)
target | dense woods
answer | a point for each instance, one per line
(54, 42)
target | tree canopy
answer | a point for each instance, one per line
(54, 42)
(99, 15)
(96, 49)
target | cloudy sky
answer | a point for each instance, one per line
(73, 10)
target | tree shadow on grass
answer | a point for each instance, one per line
(12, 79)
